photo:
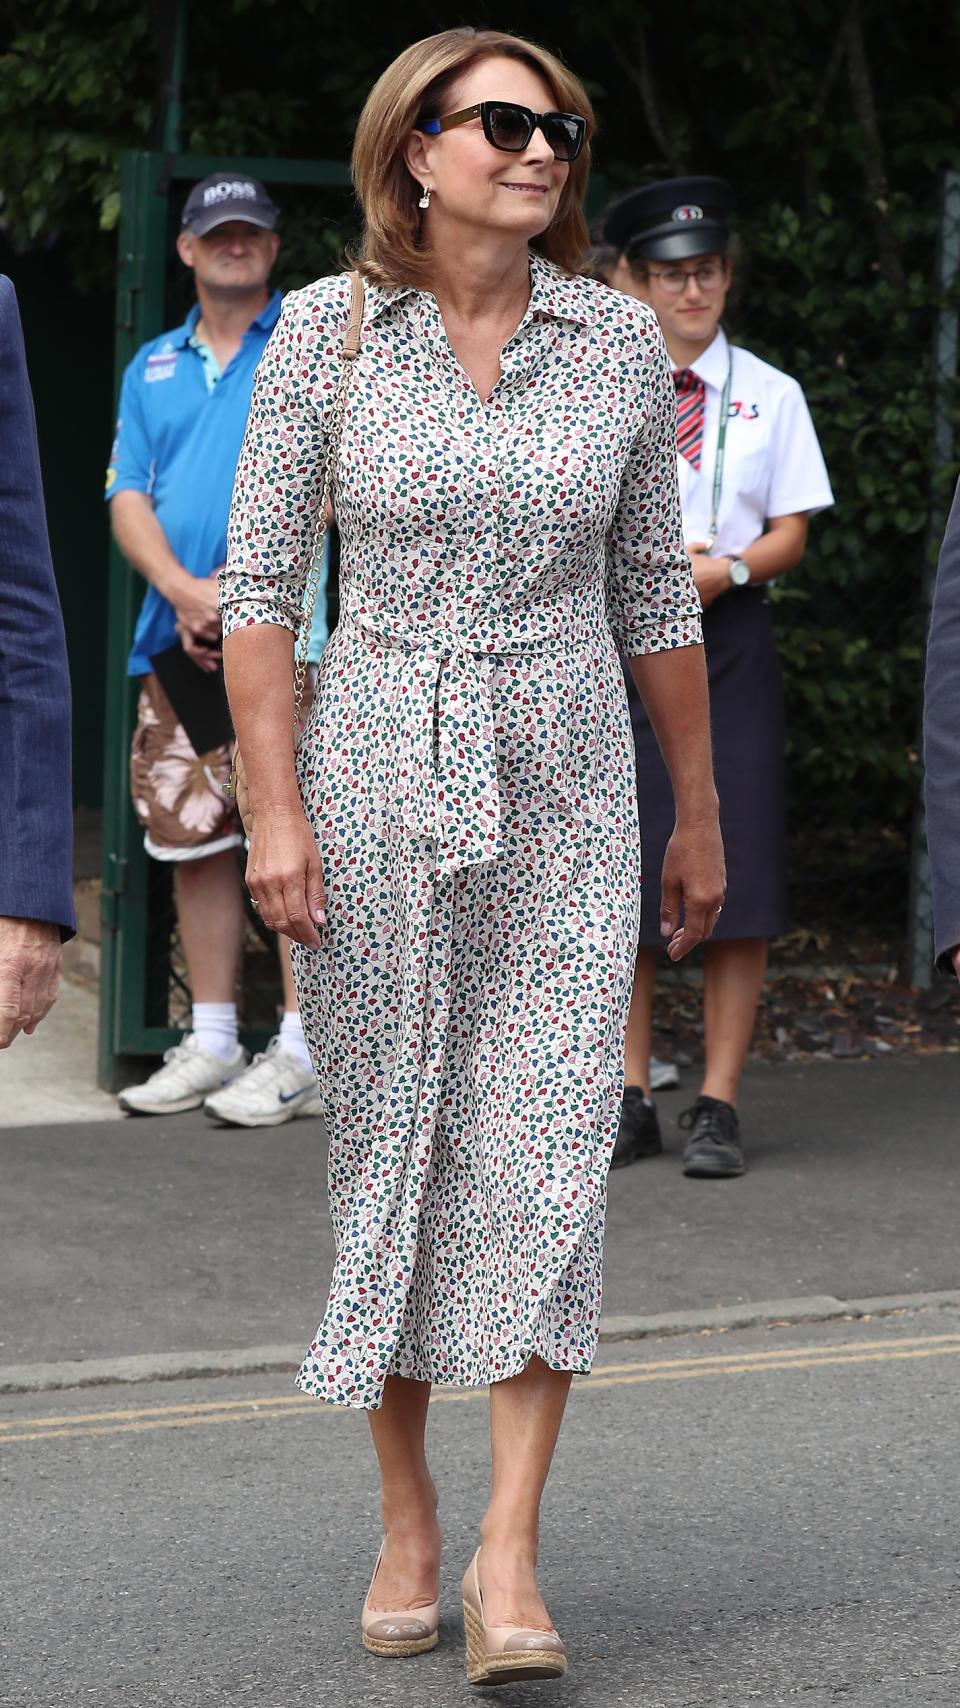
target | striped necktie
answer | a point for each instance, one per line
(691, 403)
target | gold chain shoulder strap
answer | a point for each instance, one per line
(348, 354)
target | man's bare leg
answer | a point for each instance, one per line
(210, 912)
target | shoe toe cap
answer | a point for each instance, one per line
(397, 1628)
(521, 1642)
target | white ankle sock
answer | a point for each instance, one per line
(292, 1040)
(215, 1028)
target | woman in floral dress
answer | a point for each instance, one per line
(462, 876)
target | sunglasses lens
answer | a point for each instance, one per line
(564, 134)
(509, 128)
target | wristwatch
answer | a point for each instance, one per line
(739, 573)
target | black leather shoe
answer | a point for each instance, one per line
(713, 1150)
(638, 1134)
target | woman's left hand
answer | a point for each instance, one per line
(694, 885)
(711, 574)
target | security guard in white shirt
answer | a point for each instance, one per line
(751, 475)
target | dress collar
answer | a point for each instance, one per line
(554, 295)
(557, 295)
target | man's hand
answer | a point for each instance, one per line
(955, 958)
(29, 974)
(205, 656)
(144, 544)
(195, 602)
(711, 574)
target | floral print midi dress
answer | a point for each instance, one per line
(467, 769)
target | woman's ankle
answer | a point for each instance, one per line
(504, 1534)
(411, 1514)
(722, 1087)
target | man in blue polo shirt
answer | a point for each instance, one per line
(183, 409)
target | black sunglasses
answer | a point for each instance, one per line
(508, 126)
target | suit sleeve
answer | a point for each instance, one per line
(36, 822)
(942, 744)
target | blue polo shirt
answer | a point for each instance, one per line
(178, 438)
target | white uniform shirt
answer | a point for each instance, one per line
(773, 465)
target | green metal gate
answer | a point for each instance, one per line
(135, 908)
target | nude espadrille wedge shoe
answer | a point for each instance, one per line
(406, 1631)
(505, 1654)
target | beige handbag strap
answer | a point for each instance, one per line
(348, 353)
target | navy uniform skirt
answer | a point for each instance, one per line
(746, 715)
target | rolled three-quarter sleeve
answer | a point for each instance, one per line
(279, 479)
(652, 600)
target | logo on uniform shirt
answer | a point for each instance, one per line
(161, 365)
(743, 411)
(229, 190)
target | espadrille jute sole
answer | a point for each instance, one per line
(509, 1668)
(402, 1647)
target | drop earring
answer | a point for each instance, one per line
(424, 201)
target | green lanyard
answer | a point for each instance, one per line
(721, 450)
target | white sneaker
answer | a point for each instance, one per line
(274, 1089)
(663, 1075)
(186, 1078)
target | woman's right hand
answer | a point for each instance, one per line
(284, 875)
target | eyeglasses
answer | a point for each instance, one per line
(509, 127)
(673, 280)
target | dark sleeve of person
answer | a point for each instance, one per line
(36, 824)
(941, 740)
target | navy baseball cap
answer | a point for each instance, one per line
(672, 219)
(225, 196)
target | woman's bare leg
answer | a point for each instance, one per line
(408, 1499)
(640, 1022)
(733, 975)
(525, 1416)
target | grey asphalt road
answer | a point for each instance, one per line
(149, 1236)
(766, 1517)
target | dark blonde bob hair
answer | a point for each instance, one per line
(417, 86)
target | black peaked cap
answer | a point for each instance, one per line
(671, 219)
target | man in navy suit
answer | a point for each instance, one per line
(36, 898)
(942, 748)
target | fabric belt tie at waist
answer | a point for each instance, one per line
(447, 750)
